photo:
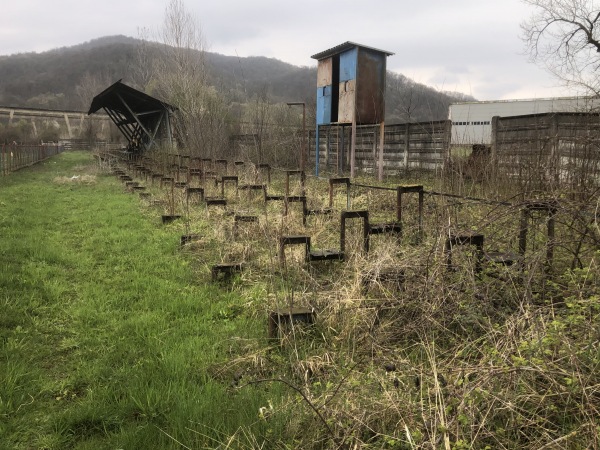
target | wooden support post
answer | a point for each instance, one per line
(328, 149)
(421, 199)
(494, 150)
(399, 192)
(353, 148)
(341, 156)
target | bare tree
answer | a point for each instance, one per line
(271, 126)
(180, 78)
(258, 116)
(142, 68)
(563, 36)
(89, 86)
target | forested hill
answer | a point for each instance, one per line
(54, 80)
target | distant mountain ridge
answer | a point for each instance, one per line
(50, 79)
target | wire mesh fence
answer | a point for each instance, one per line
(16, 156)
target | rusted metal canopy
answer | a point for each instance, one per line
(141, 118)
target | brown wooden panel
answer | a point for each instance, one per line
(347, 101)
(324, 72)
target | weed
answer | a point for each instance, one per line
(118, 339)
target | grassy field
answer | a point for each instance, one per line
(113, 336)
(107, 337)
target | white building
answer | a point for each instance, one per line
(472, 121)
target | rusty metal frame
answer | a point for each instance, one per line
(339, 180)
(345, 215)
(401, 190)
(550, 207)
(238, 219)
(288, 173)
(194, 191)
(250, 188)
(227, 179)
(262, 166)
(222, 163)
(295, 199)
(194, 172)
(227, 269)
(288, 316)
(206, 164)
(284, 241)
(473, 239)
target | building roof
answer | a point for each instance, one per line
(141, 118)
(343, 47)
(126, 100)
(582, 98)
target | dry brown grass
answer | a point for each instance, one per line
(404, 353)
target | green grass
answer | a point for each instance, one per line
(107, 334)
(112, 336)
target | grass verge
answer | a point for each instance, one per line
(107, 339)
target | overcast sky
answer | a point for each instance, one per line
(470, 46)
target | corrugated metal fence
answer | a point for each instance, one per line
(15, 156)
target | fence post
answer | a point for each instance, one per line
(554, 151)
(328, 148)
(341, 151)
(494, 148)
(374, 156)
(381, 149)
(406, 145)
(447, 140)
(353, 146)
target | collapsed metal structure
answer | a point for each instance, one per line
(143, 120)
